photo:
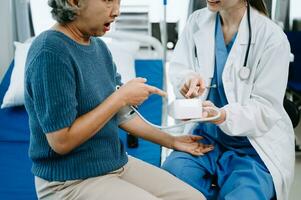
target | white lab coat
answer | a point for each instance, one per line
(255, 106)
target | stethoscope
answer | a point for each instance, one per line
(244, 72)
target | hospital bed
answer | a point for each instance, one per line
(16, 180)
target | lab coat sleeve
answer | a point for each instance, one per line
(264, 107)
(181, 65)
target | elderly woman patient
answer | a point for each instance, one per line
(74, 114)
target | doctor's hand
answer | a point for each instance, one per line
(208, 111)
(136, 91)
(193, 87)
(191, 144)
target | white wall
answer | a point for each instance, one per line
(176, 10)
(41, 16)
(6, 36)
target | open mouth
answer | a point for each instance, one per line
(213, 2)
(107, 26)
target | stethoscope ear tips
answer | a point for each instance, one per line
(244, 73)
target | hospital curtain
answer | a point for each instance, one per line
(282, 12)
(22, 17)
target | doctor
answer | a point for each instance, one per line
(233, 48)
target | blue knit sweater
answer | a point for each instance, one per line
(64, 80)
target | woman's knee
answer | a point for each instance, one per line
(194, 195)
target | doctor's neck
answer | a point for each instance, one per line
(231, 17)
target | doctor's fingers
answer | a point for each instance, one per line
(202, 87)
(183, 91)
(196, 87)
(208, 104)
(185, 87)
(208, 111)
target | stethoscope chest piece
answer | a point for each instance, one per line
(244, 73)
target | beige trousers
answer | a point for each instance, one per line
(137, 180)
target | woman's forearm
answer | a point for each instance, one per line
(138, 127)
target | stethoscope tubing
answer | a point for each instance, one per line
(207, 119)
(250, 34)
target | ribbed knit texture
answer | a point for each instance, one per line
(64, 80)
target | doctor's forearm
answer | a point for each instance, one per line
(138, 127)
(254, 119)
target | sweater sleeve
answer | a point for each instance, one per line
(53, 88)
(117, 76)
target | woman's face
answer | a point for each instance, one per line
(224, 5)
(95, 16)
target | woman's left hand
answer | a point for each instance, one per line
(191, 144)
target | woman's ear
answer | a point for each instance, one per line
(73, 3)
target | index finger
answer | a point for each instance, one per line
(155, 90)
(207, 104)
(202, 87)
(192, 88)
(140, 79)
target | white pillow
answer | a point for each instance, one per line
(124, 54)
(14, 96)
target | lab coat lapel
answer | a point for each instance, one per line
(237, 54)
(243, 31)
(204, 41)
(241, 39)
(242, 36)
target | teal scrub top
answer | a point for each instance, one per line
(218, 97)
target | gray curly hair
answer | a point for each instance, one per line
(62, 11)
